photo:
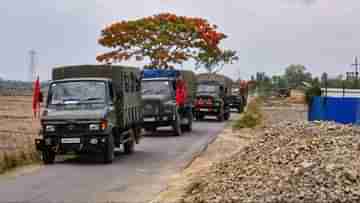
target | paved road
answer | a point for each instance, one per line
(131, 178)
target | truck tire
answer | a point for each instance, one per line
(188, 127)
(48, 157)
(199, 117)
(177, 125)
(220, 116)
(241, 109)
(129, 146)
(108, 152)
(227, 116)
(150, 130)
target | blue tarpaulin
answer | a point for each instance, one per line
(344, 110)
(156, 73)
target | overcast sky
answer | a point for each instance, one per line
(268, 34)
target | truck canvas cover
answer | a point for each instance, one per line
(222, 79)
(152, 73)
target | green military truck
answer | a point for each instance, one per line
(239, 94)
(212, 96)
(160, 108)
(91, 108)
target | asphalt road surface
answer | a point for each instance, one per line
(131, 178)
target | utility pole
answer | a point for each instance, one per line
(356, 64)
(32, 54)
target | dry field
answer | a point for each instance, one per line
(17, 131)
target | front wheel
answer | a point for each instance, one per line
(227, 116)
(220, 117)
(188, 127)
(177, 125)
(48, 156)
(240, 109)
(199, 117)
(129, 146)
(108, 152)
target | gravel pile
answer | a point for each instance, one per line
(290, 162)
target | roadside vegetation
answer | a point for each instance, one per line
(17, 132)
(10, 161)
(252, 115)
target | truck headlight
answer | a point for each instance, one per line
(50, 128)
(94, 127)
(103, 124)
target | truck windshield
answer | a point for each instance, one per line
(208, 89)
(155, 87)
(77, 92)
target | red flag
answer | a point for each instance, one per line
(36, 97)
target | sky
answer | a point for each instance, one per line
(269, 35)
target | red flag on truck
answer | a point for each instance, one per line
(36, 97)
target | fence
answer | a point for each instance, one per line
(340, 92)
(344, 110)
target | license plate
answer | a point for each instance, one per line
(204, 109)
(149, 119)
(70, 140)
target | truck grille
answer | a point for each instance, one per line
(72, 128)
(151, 108)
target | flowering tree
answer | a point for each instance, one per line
(165, 40)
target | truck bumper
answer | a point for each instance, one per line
(207, 111)
(235, 105)
(93, 143)
(158, 121)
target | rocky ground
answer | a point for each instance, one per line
(290, 161)
(286, 159)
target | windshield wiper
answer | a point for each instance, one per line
(93, 98)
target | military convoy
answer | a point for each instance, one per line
(91, 108)
(97, 108)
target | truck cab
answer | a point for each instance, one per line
(159, 103)
(85, 115)
(236, 100)
(211, 100)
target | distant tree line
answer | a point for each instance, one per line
(297, 77)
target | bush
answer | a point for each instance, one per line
(252, 116)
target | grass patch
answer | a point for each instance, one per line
(12, 160)
(251, 117)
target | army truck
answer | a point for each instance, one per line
(212, 96)
(236, 101)
(239, 95)
(160, 108)
(91, 108)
